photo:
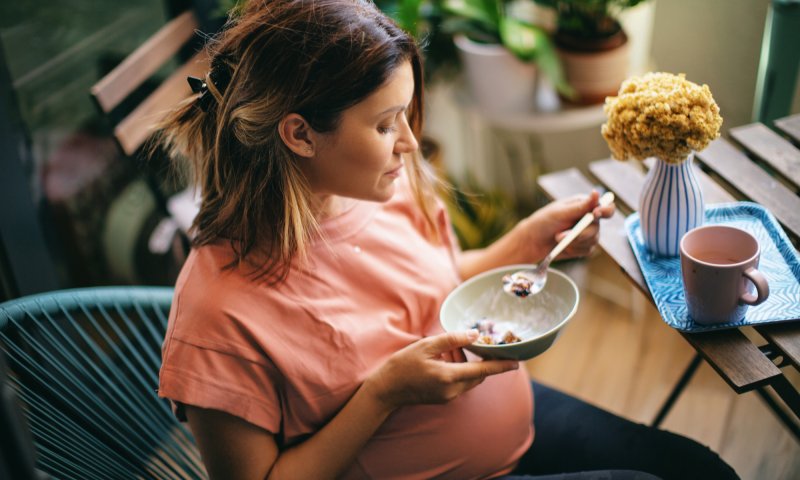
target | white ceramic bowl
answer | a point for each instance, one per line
(538, 319)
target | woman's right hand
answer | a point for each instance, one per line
(418, 374)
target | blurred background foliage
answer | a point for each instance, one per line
(478, 216)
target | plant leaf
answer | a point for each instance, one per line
(522, 39)
(408, 16)
(532, 44)
(474, 30)
(549, 63)
(484, 12)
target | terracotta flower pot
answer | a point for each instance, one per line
(594, 68)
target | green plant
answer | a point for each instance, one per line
(410, 15)
(423, 19)
(491, 21)
(228, 8)
(589, 18)
(479, 216)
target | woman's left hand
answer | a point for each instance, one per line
(542, 230)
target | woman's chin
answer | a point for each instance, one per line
(384, 193)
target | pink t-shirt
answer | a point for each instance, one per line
(287, 358)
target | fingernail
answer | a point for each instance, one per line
(472, 334)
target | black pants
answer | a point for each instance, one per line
(575, 440)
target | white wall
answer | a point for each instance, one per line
(716, 42)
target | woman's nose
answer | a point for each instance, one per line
(406, 142)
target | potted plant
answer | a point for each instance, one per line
(592, 45)
(423, 20)
(501, 51)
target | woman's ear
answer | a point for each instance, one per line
(297, 134)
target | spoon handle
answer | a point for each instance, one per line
(584, 222)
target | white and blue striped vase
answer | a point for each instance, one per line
(671, 204)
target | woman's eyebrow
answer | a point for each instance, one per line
(395, 109)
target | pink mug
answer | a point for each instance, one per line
(719, 266)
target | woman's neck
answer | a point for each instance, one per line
(328, 206)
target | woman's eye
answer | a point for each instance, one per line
(393, 126)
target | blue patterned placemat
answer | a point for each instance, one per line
(779, 263)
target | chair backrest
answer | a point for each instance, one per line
(126, 98)
(116, 86)
(84, 364)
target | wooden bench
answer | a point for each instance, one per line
(115, 87)
(136, 127)
(122, 95)
(761, 166)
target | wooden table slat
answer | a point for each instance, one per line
(790, 126)
(770, 147)
(738, 170)
(735, 358)
(785, 337)
(740, 363)
(625, 179)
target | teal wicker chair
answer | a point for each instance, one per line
(84, 365)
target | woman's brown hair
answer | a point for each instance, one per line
(314, 58)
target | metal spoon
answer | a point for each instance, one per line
(530, 282)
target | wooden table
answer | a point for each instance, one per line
(758, 165)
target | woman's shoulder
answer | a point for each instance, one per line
(216, 306)
(210, 285)
(206, 269)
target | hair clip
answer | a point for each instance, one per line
(197, 85)
(201, 87)
(219, 75)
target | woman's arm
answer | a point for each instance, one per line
(235, 449)
(531, 239)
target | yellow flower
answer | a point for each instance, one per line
(660, 115)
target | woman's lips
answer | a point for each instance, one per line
(395, 172)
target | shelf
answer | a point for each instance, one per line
(567, 119)
(550, 115)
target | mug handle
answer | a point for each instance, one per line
(762, 287)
